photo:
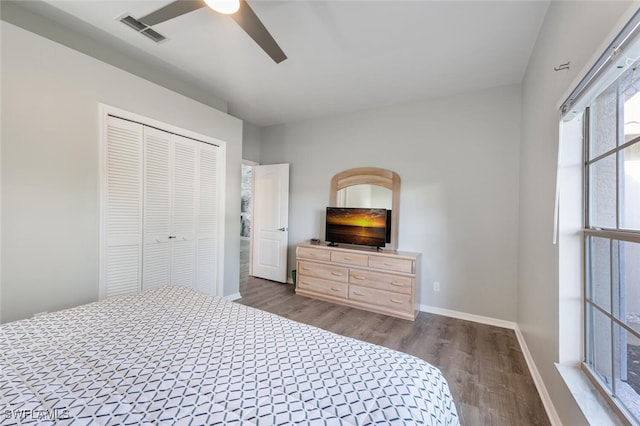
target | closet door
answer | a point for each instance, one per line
(160, 210)
(122, 208)
(157, 208)
(207, 219)
(183, 246)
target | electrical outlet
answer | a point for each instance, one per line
(436, 286)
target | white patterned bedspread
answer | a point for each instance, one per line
(175, 356)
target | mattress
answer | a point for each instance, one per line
(176, 356)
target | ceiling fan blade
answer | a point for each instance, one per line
(249, 21)
(172, 10)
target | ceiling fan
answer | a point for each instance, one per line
(239, 10)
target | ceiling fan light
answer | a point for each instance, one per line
(224, 6)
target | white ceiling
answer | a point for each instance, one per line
(343, 56)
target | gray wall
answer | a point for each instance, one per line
(572, 31)
(50, 96)
(61, 27)
(251, 139)
(458, 161)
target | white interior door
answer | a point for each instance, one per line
(162, 209)
(122, 208)
(207, 219)
(157, 208)
(183, 246)
(270, 222)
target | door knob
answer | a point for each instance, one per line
(282, 229)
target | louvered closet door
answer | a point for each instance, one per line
(157, 208)
(183, 250)
(160, 217)
(121, 261)
(207, 218)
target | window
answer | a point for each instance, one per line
(612, 241)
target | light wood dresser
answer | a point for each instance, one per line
(385, 282)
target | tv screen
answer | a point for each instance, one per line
(361, 226)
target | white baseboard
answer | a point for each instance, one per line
(232, 297)
(535, 374)
(537, 380)
(468, 317)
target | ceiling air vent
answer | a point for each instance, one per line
(153, 35)
(142, 28)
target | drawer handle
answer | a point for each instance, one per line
(387, 264)
(358, 294)
(396, 283)
(307, 269)
(347, 258)
(336, 289)
(359, 277)
(396, 301)
(336, 274)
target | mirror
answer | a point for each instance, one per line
(369, 187)
(365, 195)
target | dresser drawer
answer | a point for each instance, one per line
(320, 270)
(318, 285)
(391, 264)
(385, 299)
(381, 281)
(313, 253)
(354, 259)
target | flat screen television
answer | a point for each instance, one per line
(351, 225)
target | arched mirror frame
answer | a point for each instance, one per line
(373, 176)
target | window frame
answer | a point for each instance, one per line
(614, 236)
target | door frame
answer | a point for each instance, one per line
(252, 164)
(104, 111)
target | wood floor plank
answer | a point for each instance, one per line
(484, 365)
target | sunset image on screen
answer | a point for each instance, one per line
(356, 226)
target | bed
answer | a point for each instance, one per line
(173, 355)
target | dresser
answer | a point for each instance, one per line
(384, 282)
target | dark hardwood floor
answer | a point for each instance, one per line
(485, 368)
